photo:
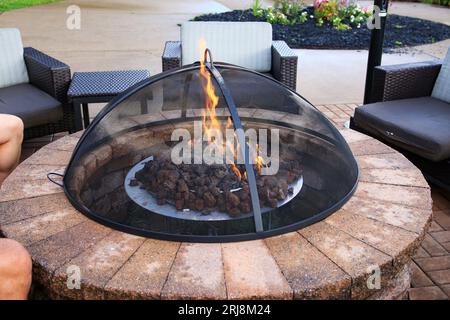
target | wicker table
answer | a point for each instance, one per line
(98, 87)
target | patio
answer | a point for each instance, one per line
(341, 72)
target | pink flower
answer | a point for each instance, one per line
(317, 3)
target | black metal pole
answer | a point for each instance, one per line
(376, 45)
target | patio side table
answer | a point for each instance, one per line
(99, 87)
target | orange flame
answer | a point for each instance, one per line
(209, 115)
(259, 160)
(210, 122)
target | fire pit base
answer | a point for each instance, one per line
(375, 233)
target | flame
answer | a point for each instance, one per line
(210, 122)
(259, 160)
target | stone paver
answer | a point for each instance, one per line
(434, 263)
(41, 227)
(98, 265)
(197, 273)
(145, 273)
(375, 233)
(251, 272)
(352, 255)
(13, 211)
(440, 277)
(58, 249)
(433, 247)
(308, 269)
(419, 278)
(442, 217)
(428, 293)
(409, 196)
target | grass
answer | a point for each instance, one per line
(7, 5)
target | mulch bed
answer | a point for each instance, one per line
(400, 32)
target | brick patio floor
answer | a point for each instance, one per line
(431, 267)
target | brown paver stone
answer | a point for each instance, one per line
(409, 196)
(50, 156)
(20, 189)
(404, 177)
(51, 253)
(434, 227)
(427, 293)
(396, 242)
(98, 264)
(441, 236)
(398, 215)
(442, 218)
(41, 227)
(434, 263)
(446, 245)
(16, 210)
(440, 277)
(419, 278)
(433, 247)
(397, 288)
(251, 272)
(366, 147)
(66, 143)
(421, 253)
(309, 272)
(197, 273)
(34, 171)
(446, 289)
(144, 274)
(354, 256)
(384, 161)
(352, 136)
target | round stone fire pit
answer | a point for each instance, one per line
(210, 152)
(379, 228)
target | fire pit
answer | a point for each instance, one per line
(186, 156)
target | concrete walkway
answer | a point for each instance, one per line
(127, 34)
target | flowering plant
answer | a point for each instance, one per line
(341, 14)
(286, 12)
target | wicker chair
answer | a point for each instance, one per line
(33, 86)
(284, 61)
(404, 115)
(53, 77)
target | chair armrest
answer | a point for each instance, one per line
(284, 64)
(48, 74)
(404, 81)
(171, 57)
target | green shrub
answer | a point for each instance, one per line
(283, 11)
(445, 3)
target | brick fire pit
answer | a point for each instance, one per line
(382, 225)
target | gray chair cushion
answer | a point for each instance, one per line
(441, 88)
(419, 125)
(246, 44)
(12, 65)
(33, 106)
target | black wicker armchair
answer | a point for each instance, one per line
(284, 61)
(53, 77)
(404, 115)
(42, 102)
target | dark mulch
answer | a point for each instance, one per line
(400, 32)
